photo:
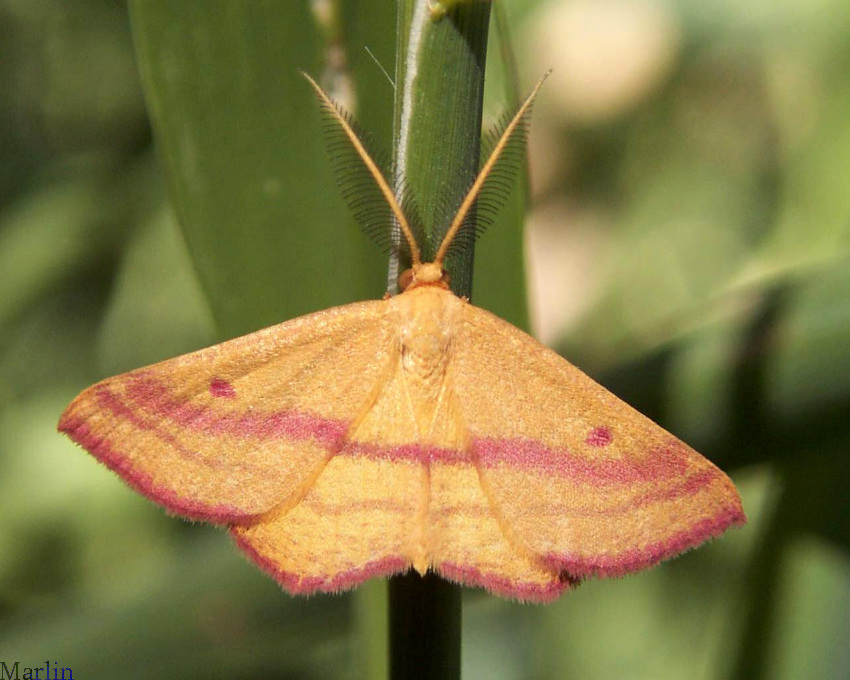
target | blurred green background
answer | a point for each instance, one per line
(687, 244)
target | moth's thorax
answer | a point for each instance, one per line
(428, 319)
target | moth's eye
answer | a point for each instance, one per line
(405, 279)
(447, 278)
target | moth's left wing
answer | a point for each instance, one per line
(576, 476)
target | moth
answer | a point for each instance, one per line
(415, 431)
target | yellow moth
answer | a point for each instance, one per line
(417, 431)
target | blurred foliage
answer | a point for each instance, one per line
(689, 247)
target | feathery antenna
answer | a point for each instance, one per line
(358, 204)
(514, 130)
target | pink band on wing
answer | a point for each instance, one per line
(667, 462)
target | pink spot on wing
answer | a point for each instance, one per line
(599, 436)
(221, 388)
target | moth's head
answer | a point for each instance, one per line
(424, 274)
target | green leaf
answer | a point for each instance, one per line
(239, 135)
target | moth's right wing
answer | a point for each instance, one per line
(576, 476)
(227, 433)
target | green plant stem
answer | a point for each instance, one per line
(437, 121)
(425, 623)
(437, 131)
